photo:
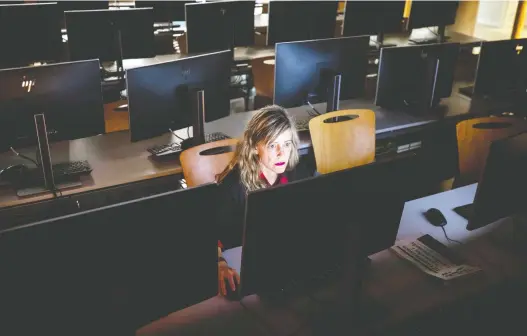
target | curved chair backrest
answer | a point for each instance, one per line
(202, 163)
(474, 137)
(343, 139)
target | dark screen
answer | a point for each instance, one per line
(432, 13)
(165, 11)
(113, 269)
(316, 221)
(372, 17)
(501, 191)
(407, 75)
(96, 34)
(159, 95)
(304, 70)
(65, 6)
(301, 20)
(29, 33)
(228, 24)
(68, 94)
(502, 69)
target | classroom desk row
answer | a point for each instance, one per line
(115, 160)
(395, 293)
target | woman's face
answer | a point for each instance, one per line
(274, 156)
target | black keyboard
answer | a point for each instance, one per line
(62, 172)
(175, 148)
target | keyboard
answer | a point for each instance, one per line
(430, 261)
(175, 148)
(61, 171)
(302, 125)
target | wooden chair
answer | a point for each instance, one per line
(202, 163)
(474, 137)
(343, 139)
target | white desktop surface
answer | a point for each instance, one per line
(413, 224)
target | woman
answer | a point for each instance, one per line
(266, 156)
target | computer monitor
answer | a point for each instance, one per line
(301, 20)
(111, 35)
(29, 33)
(502, 72)
(114, 268)
(373, 18)
(162, 97)
(229, 24)
(501, 190)
(68, 94)
(320, 71)
(293, 227)
(165, 11)
(432, 13)
(415, 78)
(65, 6)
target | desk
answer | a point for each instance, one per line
(115, 160)
(394, 290)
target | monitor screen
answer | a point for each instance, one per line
(416, 76)
(301, 20)
(30, 33)
(105, 34)
(501, 191)
(432, 13)
(65, 6)
(159, 95)
(304, 70)
(502, 69)
(115, 268)
(68, 94)
(229, 24)
(372, 17)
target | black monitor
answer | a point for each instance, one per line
(68, 94)
(165, 11)
(162, 97)
(111, 35)
(65, 6)
(114, 268)
(313, 222)
(432, 13)
(29, 33)
(502, 72)
(373, 18)
(301, 20)
(320, 70)
(501, 190)
(219, 25)
(415, 78)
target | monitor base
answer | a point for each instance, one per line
(34, 190)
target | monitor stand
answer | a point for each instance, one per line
(466, 211)
(333, 98)
(440, 37)
(197, 108)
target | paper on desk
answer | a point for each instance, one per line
(442, 268)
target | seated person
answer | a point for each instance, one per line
(266, 156)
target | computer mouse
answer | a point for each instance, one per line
(435, 217)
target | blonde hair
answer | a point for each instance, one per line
(264, 127)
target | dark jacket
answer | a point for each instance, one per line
(232, 204)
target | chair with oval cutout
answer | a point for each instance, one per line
(343, 139)
(474, 137)
(202, 163)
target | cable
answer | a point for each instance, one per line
(435, 33)
(449, 239)
(23, 156)
(313, 108)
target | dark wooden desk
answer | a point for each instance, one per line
(395, 291)
(115, 160)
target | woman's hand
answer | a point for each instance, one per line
(227, 273)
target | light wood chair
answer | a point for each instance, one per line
(202, 163)
(343, 139)
(474, 137)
